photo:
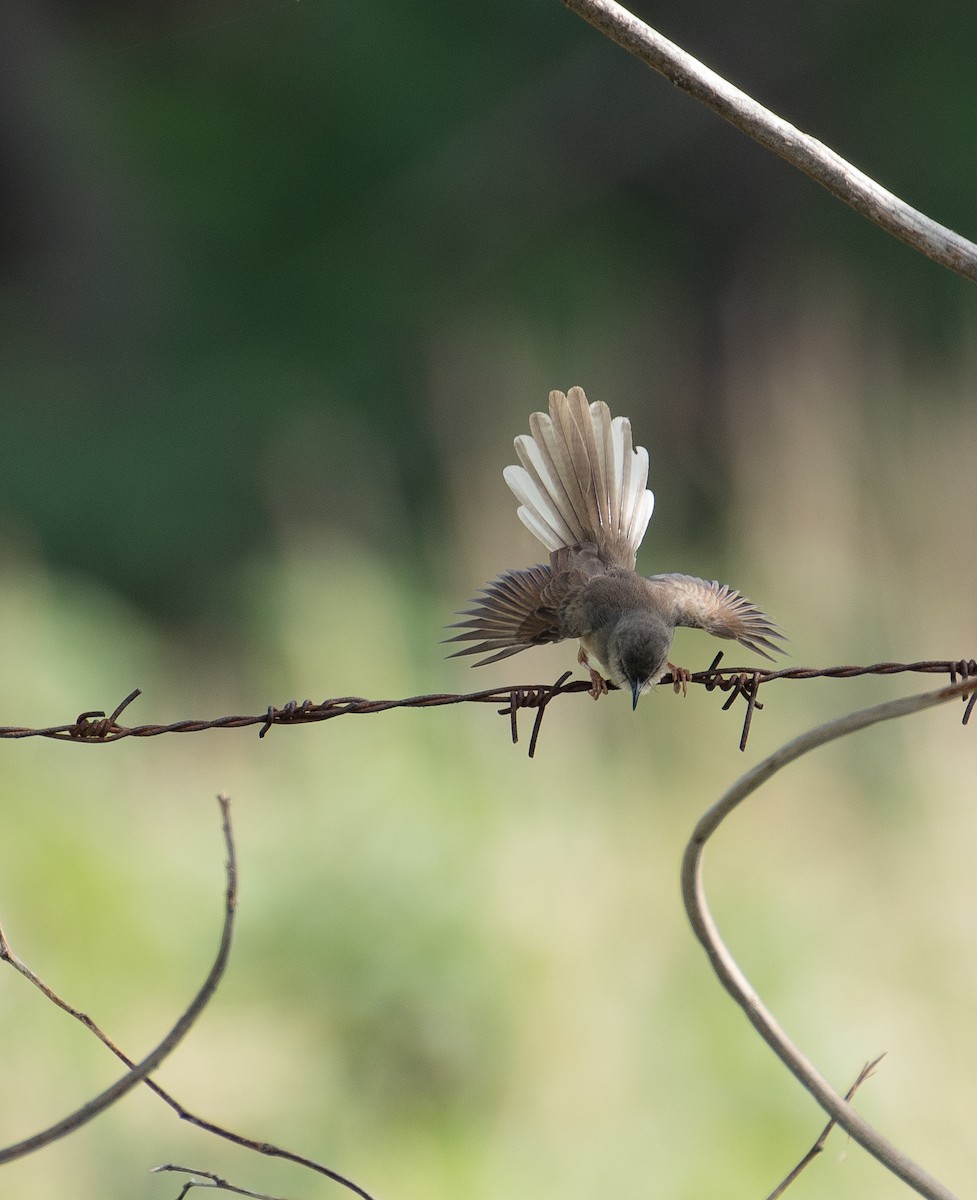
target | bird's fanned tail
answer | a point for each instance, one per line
(581, 480)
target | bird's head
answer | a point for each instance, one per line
(637, 651)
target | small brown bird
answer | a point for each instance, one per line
(582, 491)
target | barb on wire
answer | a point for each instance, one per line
(95, 728)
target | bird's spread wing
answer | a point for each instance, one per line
(528, 607)
(513, 612)
(581, 480)
(717, 609)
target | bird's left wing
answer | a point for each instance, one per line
(716, 608)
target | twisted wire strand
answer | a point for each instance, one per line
(95, 727)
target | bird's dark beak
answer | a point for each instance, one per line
(635, 693)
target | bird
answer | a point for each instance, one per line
(582, 491)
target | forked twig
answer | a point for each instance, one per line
(209, 1180)
(138, 1072)
(726, 967)
(814, 158)
(865, 1073)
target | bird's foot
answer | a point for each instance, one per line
(598, 684)
(681, 677)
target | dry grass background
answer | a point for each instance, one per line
(461, 973)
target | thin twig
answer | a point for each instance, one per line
(138, 1072)
(865, 1073)
(726, 967)
(209, 1180)
(814, 158)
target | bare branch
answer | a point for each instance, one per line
(726, 967)
(801, 150)
(138, 1072)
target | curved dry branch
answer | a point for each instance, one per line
(726, 967)
(101, 1102)
(814, 158)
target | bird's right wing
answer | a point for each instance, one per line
(718, 609)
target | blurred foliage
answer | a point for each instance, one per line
(223, 224)
(280, 282)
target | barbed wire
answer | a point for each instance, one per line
(95, 727)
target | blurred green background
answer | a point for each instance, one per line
(279, 282)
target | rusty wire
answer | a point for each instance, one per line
(97, 728)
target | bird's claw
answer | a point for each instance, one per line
(598, 684)
(681, 677)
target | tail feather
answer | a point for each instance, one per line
(590, 420)
(600, 424)
(641, 504)
(539, 494)
(566, 444)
